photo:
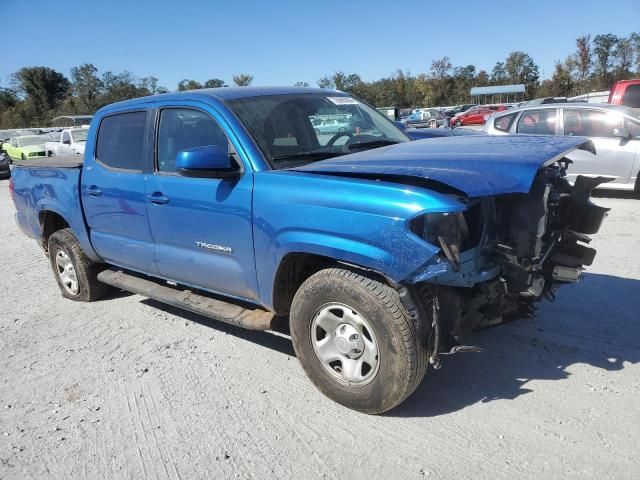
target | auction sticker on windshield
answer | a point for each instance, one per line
(343, 100)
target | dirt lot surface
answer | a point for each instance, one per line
(127, 388)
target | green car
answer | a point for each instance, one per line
(25, 147)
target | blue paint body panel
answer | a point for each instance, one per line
(251, 223)
(478, 165)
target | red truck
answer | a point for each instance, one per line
(625, 92)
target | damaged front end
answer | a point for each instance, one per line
(501, 255)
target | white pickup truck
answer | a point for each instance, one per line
(71, 142)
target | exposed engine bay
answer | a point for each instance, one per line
(504, 253)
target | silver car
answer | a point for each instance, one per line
(614, 130)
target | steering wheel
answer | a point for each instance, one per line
(333, 139)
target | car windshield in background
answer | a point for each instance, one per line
(301, 128)
(80, 135)
(27, 141)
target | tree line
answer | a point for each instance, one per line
(35, 95)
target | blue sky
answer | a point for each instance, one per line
(281, 42)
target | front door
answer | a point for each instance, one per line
(113, 193)
(614, 156)
(202, 227)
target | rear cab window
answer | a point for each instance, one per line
(631, 96)
(120, 143)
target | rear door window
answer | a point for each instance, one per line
(590, 123)
(120, 143)
(538, 122)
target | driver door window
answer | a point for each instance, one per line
(66, 138)
(182, 129)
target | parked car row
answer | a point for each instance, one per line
(614, 131)
(68, 141)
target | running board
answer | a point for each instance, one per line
(252, 319)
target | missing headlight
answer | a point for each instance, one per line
(447, 230)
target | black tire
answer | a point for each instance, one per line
(402, 360)
(86, 272)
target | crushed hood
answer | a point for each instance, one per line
(476, 165)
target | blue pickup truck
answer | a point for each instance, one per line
(382, 252)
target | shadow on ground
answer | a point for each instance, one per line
(604, 193)
(594, 322)
(279, 341)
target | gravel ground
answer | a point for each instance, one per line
(128, 388)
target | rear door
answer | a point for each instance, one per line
(614, 156)
(202, 227)
(113, 192)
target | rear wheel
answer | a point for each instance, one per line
(75, 273)
(356, 341)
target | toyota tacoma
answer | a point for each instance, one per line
(381, 252)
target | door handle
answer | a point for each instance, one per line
(157, 198)
(94, 191)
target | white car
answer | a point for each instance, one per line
(71, 142)
(614, 130)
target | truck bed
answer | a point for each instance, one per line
(63, 161)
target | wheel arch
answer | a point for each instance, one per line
(296, 267)
(50, 222)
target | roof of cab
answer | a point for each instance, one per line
(222, 94)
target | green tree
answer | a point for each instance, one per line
(214, 83)
(301, 84)
(150, 84)
(243, 79)
(87, 86)
(603, 50)
(624, 54)
(584, 57)
(188, 84)
(120, 86)
(498, 74)
(43, 88)
(635, 41)
(520, 68)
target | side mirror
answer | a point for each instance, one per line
(206, 161)
(66, 142)
(621, 132)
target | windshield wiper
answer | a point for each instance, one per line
(311, 156)
(372, 144)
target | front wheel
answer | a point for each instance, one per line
(75, 273)
(356, 341)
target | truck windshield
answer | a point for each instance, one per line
(28, 141)
(80, 135)
(295, 129)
